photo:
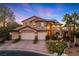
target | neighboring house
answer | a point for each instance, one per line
(35, 26)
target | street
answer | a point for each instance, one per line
(19, 53)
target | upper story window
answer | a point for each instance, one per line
(42, 24)
(34, 24)
(38, 24)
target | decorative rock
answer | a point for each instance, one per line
(55, 54)
(64, 55)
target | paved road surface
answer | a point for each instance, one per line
(19, 53)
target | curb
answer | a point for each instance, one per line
(47, 54)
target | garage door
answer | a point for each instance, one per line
(41, 35)
(28, 36)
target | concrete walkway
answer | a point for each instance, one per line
(24, 45)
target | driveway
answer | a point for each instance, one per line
(24, 45)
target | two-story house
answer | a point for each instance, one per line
(35, 26)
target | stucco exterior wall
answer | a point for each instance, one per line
(14, 35)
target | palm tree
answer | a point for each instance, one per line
(71, 20)
(67, 19)
(75, 18)
(6, 15)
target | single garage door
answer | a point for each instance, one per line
(41, 35)
(28, 36)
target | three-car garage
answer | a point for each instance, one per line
(29, 34)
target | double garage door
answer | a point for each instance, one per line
(31, 35)
(28, 36)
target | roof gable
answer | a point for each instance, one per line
(38, 19)
(26, 28)
(33, 18)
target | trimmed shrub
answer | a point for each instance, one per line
(8, 37)
(56, 47)
(16, 40)
(76, 34)
(4, 34)
(51, 47)
(47, 37)
(53, 37)
(36, 39)
(60, 47)
(2, 40)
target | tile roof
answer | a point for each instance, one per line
(36, 17)
(22, 27)
(43, 20)
(35, 28)
(38, 20)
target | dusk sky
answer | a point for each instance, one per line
(43, 10)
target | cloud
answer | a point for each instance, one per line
(45, 12)
(27, 7)
(19, 17)
(37, 10)
(41, 11)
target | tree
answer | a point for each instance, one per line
(75, 18)
(68, 20)
(6, 15)
(8, 20)
(71, 22)
(12, 25)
